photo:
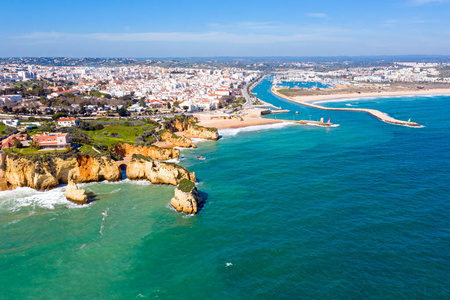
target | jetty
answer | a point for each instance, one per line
(376, 113)
(315, 123)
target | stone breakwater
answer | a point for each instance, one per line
(376, 113)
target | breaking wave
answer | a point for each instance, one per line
(234, 131)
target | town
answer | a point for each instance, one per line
(41, 104)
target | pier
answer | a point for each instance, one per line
(376, 113)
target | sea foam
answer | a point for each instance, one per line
(20, 197)
(234, 131)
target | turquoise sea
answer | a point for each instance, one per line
(359, 211)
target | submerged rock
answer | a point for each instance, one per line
(186, 199)
(76, 195)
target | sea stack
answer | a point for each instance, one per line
(75, 195)
(186, 199)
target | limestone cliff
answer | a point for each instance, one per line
(44, 172)
(153, 152)
(186, 199)
(203, 132)
(177, 141)
(76, 195)
(157, 172)
(95, 169)
(189, 126)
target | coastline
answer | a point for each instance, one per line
(251, 119)
(309, 101)
(312, 99)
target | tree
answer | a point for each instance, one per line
(59, 115)
(35, 145)
(122, 112)
(176, 104)
(185, 107)
(17, 143)
(168, 105)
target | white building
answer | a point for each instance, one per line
(67, 122)
(11, 122)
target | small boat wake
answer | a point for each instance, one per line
(105, 215)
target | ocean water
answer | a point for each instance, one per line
(292, 212)
(304, 84)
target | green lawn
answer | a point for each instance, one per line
(5, 130)
(128, 134)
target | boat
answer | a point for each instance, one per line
(201, 158)
(296, 112)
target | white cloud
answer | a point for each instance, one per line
(423, 2)
(245, 25)
(317, 15)
(399, 22)
(213, 36)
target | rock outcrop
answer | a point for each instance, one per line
(76, 195)
(157, 172)
(177, 141)
(153, 152)
(94, 169)
(203, 132)
(47, 172)
(189, 126)
(186, 199)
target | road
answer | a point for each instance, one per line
(249, 99)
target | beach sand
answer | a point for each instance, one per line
(251, 119)
(309, 101)
(364, 95)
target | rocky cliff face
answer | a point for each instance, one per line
(177, 141)
(203, 132)
(158, 172)
(188, 126)
(152, 151)
(188, 200)
(94, 169)
(43, 174)
(76, 195)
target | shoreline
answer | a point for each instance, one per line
(309, 101)
(314, 98)
(251, 119)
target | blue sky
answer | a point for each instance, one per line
(112, 28)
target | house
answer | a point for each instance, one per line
(223, 92)
(11, 122)
(9, 141)
(56, 94)
(67, 122)
(52, 140)
(13, 98)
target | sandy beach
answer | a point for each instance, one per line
(363, 95)
(309, 101)
(252, 118)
